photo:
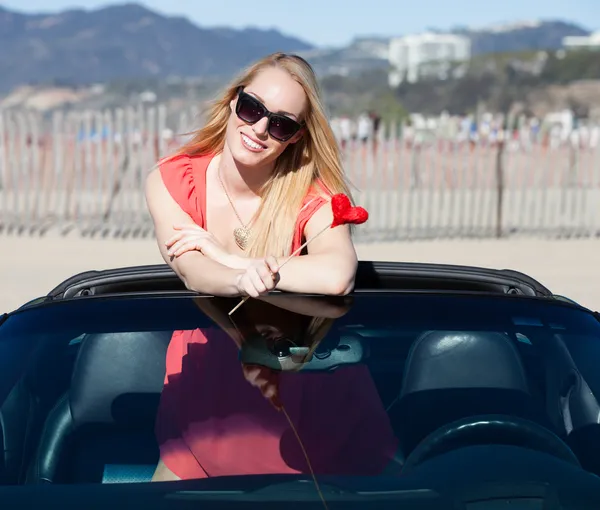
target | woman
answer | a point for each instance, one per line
(245, 192)
(251, 185)
(220, 417)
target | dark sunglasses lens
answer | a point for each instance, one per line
(249, 110)
(282, 127)
(281, 348)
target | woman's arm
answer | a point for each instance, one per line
(330, 265)
(199, 272)
(329, 268)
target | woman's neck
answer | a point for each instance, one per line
(242, 180)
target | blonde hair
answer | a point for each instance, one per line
(315, 157)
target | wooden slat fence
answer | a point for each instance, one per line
(83, 173)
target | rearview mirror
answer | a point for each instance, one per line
(285, 356)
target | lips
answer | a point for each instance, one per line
(254, 140)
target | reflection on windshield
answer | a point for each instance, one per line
(264, 394)
(383, 384)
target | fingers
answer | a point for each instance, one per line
(187, 239)
(272, 265)
(247, 286)
(173, 239)
(183, 242)
(185, 234)
(259, 279)
(268, 279)
(183, 246)
(265, 380)
(186, 231)
(251, 372)
(266, 275)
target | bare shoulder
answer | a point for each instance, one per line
(164, 211)
(154, 186)
(161, 205)
(336, 239)
(153, 181)
(322, 216)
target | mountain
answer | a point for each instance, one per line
(85, 46)
(524, 36)
(130, 42)
(363, 54)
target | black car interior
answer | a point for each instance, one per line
(435, 377)
(24, 410)
(102, 428)
(85, 412)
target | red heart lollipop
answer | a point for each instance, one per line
(343, 212)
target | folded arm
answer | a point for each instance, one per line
(199, 272)
(329, 267)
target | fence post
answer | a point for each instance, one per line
(499, 186)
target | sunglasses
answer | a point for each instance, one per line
(284, 348)
(251, 110)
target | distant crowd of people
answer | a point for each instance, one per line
(363, 128)
(554, 131)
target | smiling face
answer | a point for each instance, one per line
(251, 144)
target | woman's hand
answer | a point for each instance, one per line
(266, 380)
(259, 277)
(190, 237)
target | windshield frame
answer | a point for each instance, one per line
(46, 301)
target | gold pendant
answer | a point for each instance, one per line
(242, 236)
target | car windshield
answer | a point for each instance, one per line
(96, 390)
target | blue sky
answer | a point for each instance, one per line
(336, 22)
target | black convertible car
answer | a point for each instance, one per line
(428, 387)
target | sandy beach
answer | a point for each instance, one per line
(30, 267)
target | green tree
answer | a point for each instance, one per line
(388, 107)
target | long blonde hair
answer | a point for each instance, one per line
(315, 157)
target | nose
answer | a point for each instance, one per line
(260, 128)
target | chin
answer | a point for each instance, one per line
(246, 158)
(251, 158)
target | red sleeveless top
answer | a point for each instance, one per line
(185, 179)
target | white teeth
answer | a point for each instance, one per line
(250, 143)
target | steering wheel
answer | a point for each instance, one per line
(489, 429)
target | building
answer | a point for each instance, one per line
(586, 42)
(425, 55)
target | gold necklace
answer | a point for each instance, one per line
(240, 234)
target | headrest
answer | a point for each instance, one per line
(440, 360)
(118, 378)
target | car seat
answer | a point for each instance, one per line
(451, 375)
(102, 429)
